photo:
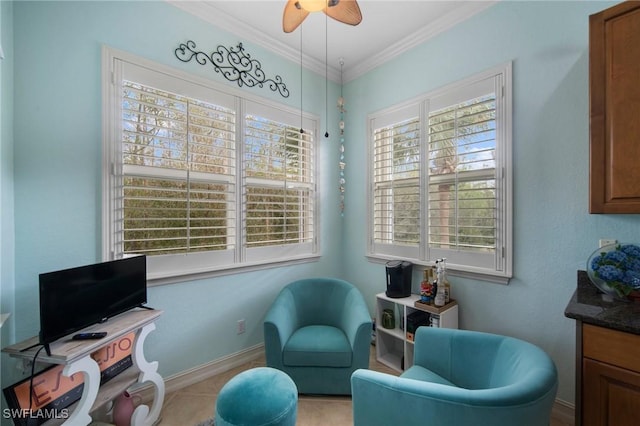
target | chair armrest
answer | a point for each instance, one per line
(356, 322)
(279, 324)
(381, 399)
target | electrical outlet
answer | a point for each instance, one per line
(241, 326)
(606, 242)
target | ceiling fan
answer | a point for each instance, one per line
(346, 11)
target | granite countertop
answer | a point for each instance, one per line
(591, 306)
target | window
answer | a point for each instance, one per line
(178, 168)
(440, 178)
(278, 181)
(202, 179)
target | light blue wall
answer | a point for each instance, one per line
(7, 281)
(58, 142)
(553, 232)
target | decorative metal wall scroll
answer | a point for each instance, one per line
(234, 64)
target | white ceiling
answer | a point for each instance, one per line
(388, 28)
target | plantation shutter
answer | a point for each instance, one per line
(279, 185)
(462, 181)
(440, 178)
(396, 183)
(178, 169)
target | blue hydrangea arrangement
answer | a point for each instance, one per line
(618, 267)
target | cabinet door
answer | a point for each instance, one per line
(611, 395)
(614, 67)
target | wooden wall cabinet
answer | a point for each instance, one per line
(614, 101)
(610, 377)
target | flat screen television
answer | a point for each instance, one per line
(75, 298)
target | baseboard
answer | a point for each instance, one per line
(202, 372)
(564, 411)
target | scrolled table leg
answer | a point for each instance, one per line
(91, 372)
(143, 416)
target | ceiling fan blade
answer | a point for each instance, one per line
(346, 11)
(293, 16)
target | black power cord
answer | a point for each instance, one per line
(33, 368)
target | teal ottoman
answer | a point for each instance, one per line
(261, 396)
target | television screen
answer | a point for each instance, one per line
(75, 298)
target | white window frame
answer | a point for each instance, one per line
(495, 267)
(164, 269)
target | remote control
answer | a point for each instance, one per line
(89, 336)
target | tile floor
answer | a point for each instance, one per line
(195, 403)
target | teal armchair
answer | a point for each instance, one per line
(318, 331)
(460, 378)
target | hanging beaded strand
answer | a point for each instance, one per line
(342, 163)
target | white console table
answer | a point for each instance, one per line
(75, 355)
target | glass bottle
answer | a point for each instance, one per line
(434, 283)
(440, 296)
(445, 281)
(426, 287)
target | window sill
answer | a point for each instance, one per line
(158, 280)
(454, 271)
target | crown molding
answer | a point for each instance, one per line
(210, 13)
(441, 25)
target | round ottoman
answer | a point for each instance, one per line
(261, 396)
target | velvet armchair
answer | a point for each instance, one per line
(460, 378)
(318, 331)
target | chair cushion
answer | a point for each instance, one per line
(417, 372)
(317, 346)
